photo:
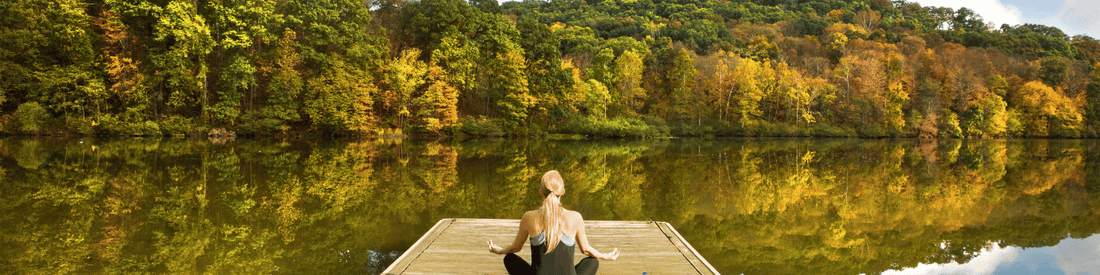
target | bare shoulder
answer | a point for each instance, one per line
(574, 216)
(573, 213)
(529, 216)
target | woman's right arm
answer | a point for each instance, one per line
(582, 241)
(521, 237)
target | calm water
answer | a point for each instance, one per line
(753, 206)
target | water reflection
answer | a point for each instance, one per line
(1070, 256)
(754, 206)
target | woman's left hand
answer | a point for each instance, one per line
(494, 248)
(611, 256)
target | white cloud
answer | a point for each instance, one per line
(1079, 17)
(990, 10)
(985, 263)
(1078, 256)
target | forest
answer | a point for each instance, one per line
(612, 68)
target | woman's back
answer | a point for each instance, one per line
(558, 261)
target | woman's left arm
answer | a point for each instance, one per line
(587, 249)
(521, 238)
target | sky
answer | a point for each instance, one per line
(1074, 17)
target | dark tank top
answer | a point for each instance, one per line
(557, 262)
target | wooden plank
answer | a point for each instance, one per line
(422, 244)
(701, 264)
(458, 247)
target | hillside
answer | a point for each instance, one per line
(630, 68)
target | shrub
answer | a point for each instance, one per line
(147, 128)
(108, 125)
(614, 128)
(83, 125)
(30, 117)
(175, 126)
(480, 127)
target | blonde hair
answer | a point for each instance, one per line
(551, 214)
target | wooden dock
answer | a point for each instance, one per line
(457, 246)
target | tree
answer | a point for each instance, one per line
(967, 20)
(603, 68)
(868, 19)
(404, 75)
(124, 68)
(747, 77)
(510, 91)
(628, 77)
(1093, 99)
(438, 105)
(1053, 71)
(681, 81)
(48, 56)
(237, 26)
(1046, 112)
(996, 115)
(340, 99)
(285, 84)
(549, 81)
(178, 59)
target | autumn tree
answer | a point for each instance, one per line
(1046, 112)
(628, 80)
(404, 75)
(124, 68)
(437, 107)
(340, 99)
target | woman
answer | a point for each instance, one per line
(555, 232)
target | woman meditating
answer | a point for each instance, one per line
(555, 232)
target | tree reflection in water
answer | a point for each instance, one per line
(760, 206)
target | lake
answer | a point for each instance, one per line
(752, 206)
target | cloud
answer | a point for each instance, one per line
(985, 263)
(990, 10)
(1078, 256)
(1079, 17)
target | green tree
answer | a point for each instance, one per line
(998, 85)
(513, 100)
(1093, 99)
(239, 27)
(178, 59)
(285, 85)
(681, 80)
(603, 68)
(48, 56)
(549, 82)
(1053, 71)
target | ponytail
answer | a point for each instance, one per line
(551, 214)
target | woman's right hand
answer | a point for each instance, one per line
(494, 248)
